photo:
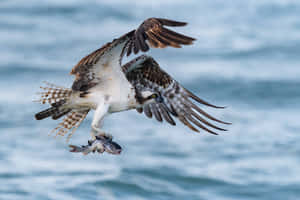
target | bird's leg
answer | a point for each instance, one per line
(100, 141)
(98, 116)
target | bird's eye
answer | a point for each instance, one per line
(153, 96)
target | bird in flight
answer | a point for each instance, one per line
(102, 83)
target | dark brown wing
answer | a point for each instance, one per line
(160, 112)
(174, 100)
(153, 30)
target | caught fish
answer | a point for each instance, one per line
(112, 147)
(101, 144)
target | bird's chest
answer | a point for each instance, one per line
(114, 89)
(121, 96)
(117, 91)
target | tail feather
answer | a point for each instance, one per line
(58, 98)
(45, 113)
(60, 114)
(70, 123)
(54, 94)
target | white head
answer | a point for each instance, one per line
(149, 97)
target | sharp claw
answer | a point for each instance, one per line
(104, 136)
(98, 137)
(109, 137)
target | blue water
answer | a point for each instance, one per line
(246, 57)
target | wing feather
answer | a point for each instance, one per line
(129, 48)
(148, 111)
(154, 32)
(187, 123)
(176, 37)
(152, 41)
(140, 109)
(188, 103)
(145, 74)
(169, 22)
(165, 114)
(155, 111)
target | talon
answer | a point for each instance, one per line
(104, 136)
(98, 137)
(108, 136)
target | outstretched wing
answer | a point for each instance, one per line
(173, 99)
(154, 31)
(88, 70)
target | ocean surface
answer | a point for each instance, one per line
(246, 57)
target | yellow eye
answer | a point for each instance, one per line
(153, 96)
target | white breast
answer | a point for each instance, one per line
(114, 89)
(112, 86)
(121, 95)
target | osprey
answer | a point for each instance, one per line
(103, 84)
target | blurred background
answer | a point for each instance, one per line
(246, 57)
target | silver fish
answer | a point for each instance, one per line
(101, 144)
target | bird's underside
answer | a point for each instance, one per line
(102, 83)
